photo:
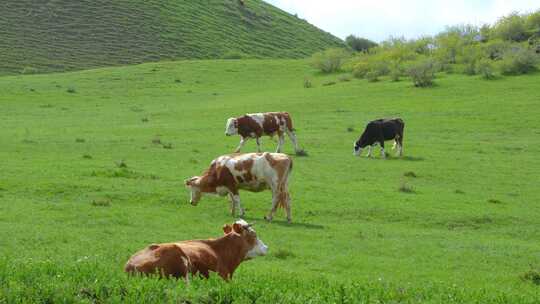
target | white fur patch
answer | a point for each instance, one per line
(230, 129)
(260, 249)
(258, 117)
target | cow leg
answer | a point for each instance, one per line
(288, 207)
(233, 205)
(383, 154)
(400, 145)
(370, 149)
(275, 201)
(292, 137)
(242, 143)
(281, 141)
(236, 204)
(258, 140)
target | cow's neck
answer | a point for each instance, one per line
(208, 183)
(231, 250)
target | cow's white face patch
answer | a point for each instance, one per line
(356, 150)
(260, 249)
(231, 128)
(195, 190)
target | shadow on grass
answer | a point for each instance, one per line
(406, 158)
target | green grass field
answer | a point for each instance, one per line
(462, 229)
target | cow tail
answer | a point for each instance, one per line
(282, 187)
(288, 121)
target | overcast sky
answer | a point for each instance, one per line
(379, 19)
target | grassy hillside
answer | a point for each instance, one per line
(61, 35)
(454, 221)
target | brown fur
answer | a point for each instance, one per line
(283, 169)
(271, 127)
(247, 127)
(222, 255)
(219, 175)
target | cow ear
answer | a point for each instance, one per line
(192, 181)
(227, 229)
(238, 228)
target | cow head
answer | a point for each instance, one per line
(357, 148)
(194, 185)
(232, 127)
(255, 247)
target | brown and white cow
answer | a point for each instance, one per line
(254, 172)
(180, 259)
(259, 124)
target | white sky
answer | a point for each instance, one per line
(379, 19)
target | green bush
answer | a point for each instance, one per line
(307, 83)
(372, 76)
(532, 23)
(359, 44)
(511, 27)
(233, 55)
(422, 73)
(396, 71)
(485, 68)
(360, 69)
(495, 49)
(518, 61)
(330, 60)
(345, 78)
(29, 70)
(469, 56)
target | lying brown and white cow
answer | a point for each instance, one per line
(222, 255)
(254, 172)
(259, 124)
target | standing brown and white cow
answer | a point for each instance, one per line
(254, 172)
(259, 124)
(221, 255)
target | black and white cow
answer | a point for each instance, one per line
(377, 131)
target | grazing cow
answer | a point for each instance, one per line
(221, 255)
(377, 131)
(259, 124)
(254, 172)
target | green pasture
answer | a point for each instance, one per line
(92, 166)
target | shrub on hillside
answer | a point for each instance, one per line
(469, 56)
(233, 55)
(422, 73)
(330, 60)
(495, 49)
(307, 83)
(372, 76)
(511, 27)
(360, 69)
(485, 68)
(396, 71)
(29, 70)
(518, 61)
(359, 44)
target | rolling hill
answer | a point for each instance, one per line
(63, 35)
